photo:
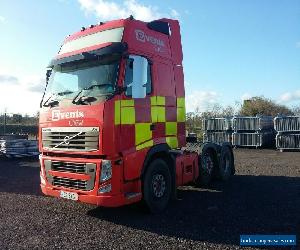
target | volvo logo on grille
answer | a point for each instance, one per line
(67, 139)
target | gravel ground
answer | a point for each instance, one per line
(262, 198)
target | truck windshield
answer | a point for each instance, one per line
(70, 79)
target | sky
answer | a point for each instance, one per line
(233, 49)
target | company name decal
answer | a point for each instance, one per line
(58, 115)
(143, 37)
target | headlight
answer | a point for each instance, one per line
(105, 189)
(106, 170)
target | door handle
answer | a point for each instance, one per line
(152, 126)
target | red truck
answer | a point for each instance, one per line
(112, 119)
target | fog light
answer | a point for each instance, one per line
(106, 171)
(105, 189)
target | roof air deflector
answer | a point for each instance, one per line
(159, 26)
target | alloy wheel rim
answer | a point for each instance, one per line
(158, 185)
(209, 164)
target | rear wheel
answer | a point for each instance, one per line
(206, 168)
(157, 186)
(226, 164)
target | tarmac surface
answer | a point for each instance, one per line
(262, 198)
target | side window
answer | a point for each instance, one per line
(129, 77)
(149, 81)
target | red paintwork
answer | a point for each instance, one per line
(131, 163)
(186, 168)
(117, 142)
(69, 175)
(164, 73)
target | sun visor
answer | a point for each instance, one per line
(113, 48)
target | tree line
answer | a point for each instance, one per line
(18, 124)
(18, 119)
(254, 106)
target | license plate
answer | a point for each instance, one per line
(69, 195)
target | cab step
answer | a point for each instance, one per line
(132, 195)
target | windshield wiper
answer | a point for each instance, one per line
(67, 92)
(83, 99)
(51, 103)
(54, 102)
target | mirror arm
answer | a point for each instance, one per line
(48, 74)
(120, 89)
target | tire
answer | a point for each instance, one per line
(226, 164)
(157, 186)
(206, 168)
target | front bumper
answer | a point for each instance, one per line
(114, 198)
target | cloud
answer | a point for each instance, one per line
(109, 10)
(18, 99)
(246, 96)
(8, 79)
(174, 14)
(203, 100)
(38, 87)
(2, 19)
(20, 93)
(187, 12)
(289, 97)
(34, 83)
(298, 44)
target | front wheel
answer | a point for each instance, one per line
(157, 186)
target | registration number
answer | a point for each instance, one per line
(69, 195)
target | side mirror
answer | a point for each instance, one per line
(139, 81)
(48, 74)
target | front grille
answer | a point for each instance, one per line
(73, 167)
(71, 138)
(81, 169)
(69, 183)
